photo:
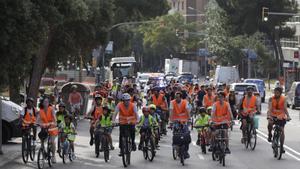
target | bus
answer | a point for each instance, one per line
(123, 67)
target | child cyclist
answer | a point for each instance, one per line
(69, 131)
(146, 123)
(203, 123)
(157, 119)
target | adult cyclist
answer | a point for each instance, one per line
(278, 109)
(128, 117)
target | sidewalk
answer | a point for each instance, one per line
(11, 151)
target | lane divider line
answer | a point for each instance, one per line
(285, 146)
(200, 156)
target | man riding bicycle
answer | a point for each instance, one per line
(128, 117)
(209, 98)
(249, 108)
(47, 120)
(278, 109)
(28, 117)
(75, 100)
(221, 117)
(179, 111)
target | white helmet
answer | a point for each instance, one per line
(126, 96)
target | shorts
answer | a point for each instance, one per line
(247, 118)
(75, 106)
(281, 123)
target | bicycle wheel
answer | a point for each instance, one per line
(145, 149)
(124, 149)
(25, 149)
(105, 148)
(223, 160)
(253, 139)
(275, 145)
(71, 155)
(151, 150)
(59, 149)
(129, 148)
(49, 154)
(64, 154)
(279, 147)
(174, 151)
(41, 158)
(181, 154)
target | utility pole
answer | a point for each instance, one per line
(249, 68)
(1, 126)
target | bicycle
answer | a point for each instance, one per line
(126, 148)
(219, 144)
(28, 145)
(65, 149)
(102, 137)
(75, 114)
(277, 145)
(251, 136)
(203, 137)
(45, 153)
(180, 140)
(148, 146)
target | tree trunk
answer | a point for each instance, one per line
(14, 89)
(39, 65)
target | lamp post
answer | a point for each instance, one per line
(1, 126)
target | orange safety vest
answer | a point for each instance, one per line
(208, 101)
(28, 118)
(249, 108)
(158, 101)
(48, 119)
(278, 108)
(221, 113)
(98, 111)
(180, 113)
(127, 115)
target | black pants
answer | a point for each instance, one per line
(131, 131)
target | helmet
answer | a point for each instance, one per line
(279, 89)
(110, 97)
(156, 88)
(62, 104)
(98, 96)
(221, 93)
(145, 109)
(152, 106)
(105, 107)
(202, 110)
(126, 96)
(209, 108)
(30, 99)
(74, 87)
(249, 88)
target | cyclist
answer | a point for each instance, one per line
(155, 115)
(128, 117)
(202, 120)
(69, 131)
(278, 109)
(209, 109)
(105, 120)
(221, 113)
(147, 122)
(209, 98)
(110, 103)
(179, 111)
(28, 117)
(249, 108)
(47, 119)
(232, 101)
(200, 96)
(94, 115)
(75, 99)
(61, 113)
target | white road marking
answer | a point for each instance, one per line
(200, 156)
(291, 155)
(194, 143)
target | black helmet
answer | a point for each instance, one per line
(279, 89)
(30, 99)
(62, 104)
(249, 88)
(202, 110)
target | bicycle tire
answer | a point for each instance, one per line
(71, 155)
(181, 154)
(123, 151)
(129, 145)
(279, 147)
(223, 161)
(145, 149)
(64, 156)
(41, 159)
(151, 150)
(49, 154)
(32, 148)
(254, 138)
(174, 152)
(105, 148)
(275, 145)
(24, 149)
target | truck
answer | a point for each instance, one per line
(226, 74)
(179, 66)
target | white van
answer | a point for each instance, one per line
(10, 120)
(293, 95)
(226, 74)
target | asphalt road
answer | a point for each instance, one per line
(240, 158)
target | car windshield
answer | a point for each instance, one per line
(242, 88)
(258, 82)
(144, 77)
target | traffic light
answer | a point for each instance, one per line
(265, 14)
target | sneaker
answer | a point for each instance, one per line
(120, 154)
(133, 147)
(97, 155)
(198, 142)
(91, 142)
(101, 149)
(186, 155)
(270, 138)
(112, 147)
(53, 159)
(282, 150)
(140, 147)
(227, 151)
(210, 149)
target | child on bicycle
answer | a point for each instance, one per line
(145, 124)
(105, 120)
(69, 131)
(202, 121)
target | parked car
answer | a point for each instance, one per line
(261, 87)
(240, 90)
(169, 76)
(293, 95)
(10, 120)
(186, 77)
